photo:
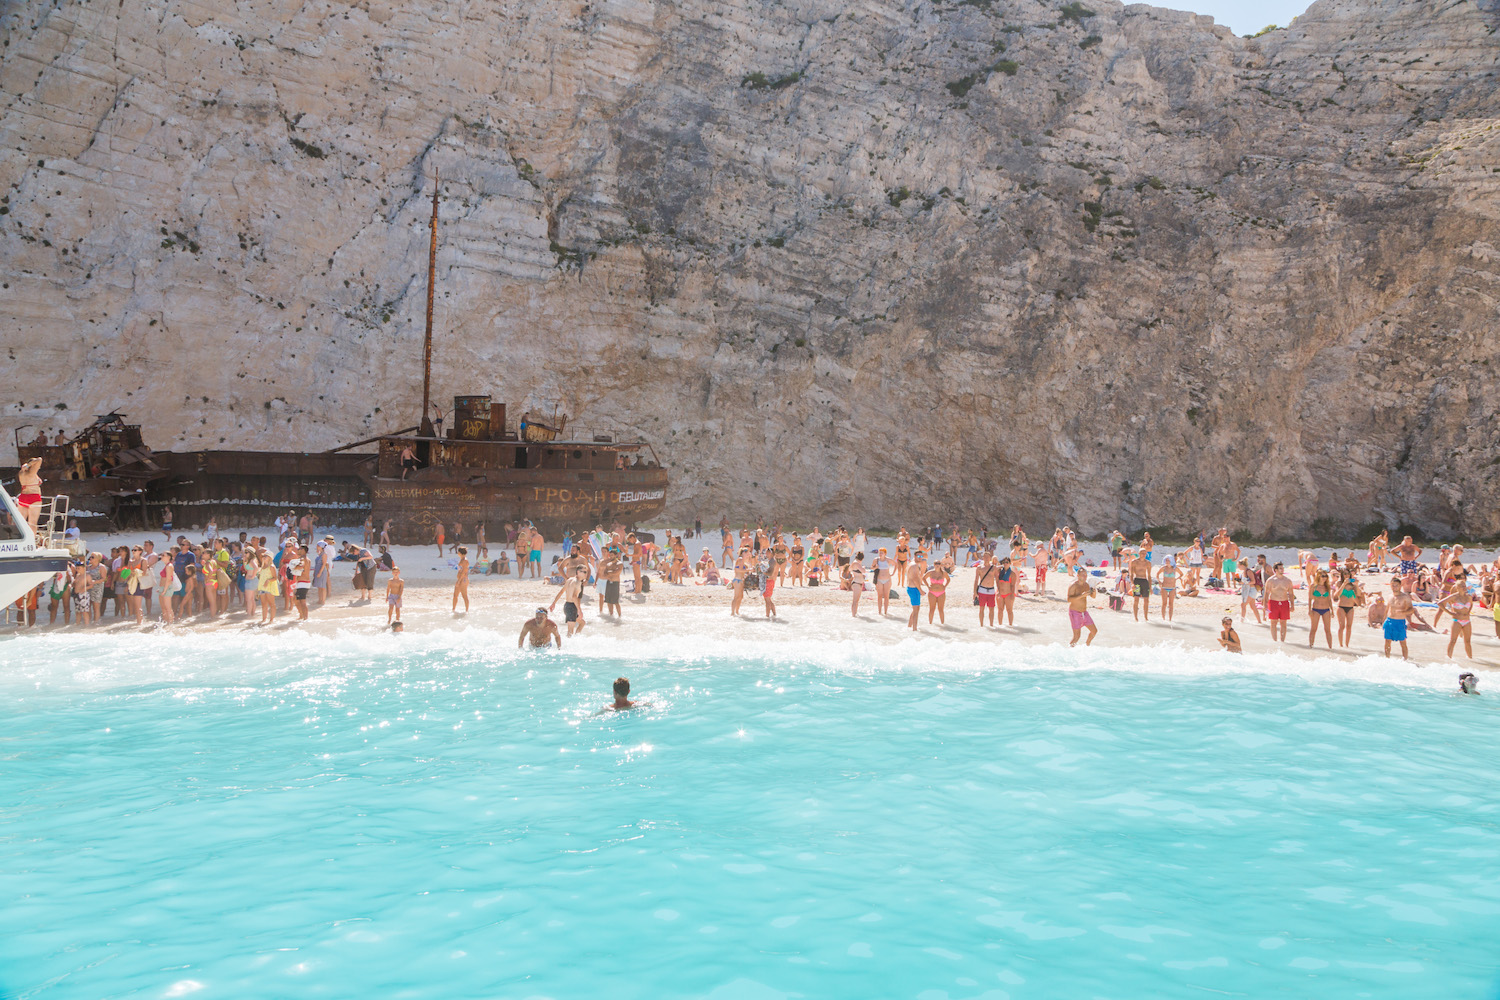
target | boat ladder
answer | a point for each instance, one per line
(52, 522)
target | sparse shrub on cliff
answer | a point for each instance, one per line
(568, 257)
(1092, 212)
(897, 195)
(1075, 11)
(1090, 42)
(961, 86)
(759, 80)
(307, 148)
(178, 241)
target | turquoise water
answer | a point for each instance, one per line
(439, 816)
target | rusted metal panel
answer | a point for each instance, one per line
(261, 463)
(552, 499)
(471, 417)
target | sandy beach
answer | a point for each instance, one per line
(694, 611)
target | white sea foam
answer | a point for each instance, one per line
(63, 662)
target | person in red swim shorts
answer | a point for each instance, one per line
(1279, 600)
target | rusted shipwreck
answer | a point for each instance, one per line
(479, 469)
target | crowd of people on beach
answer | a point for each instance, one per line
(185, 581)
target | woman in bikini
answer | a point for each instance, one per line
(30, 497)
(903, 553)
(741, 568)
(1350, 596)
(269, 587)
(937, 591)
(883, 569)
(208, 581)
(798, 553)
(166, 587)
(779, 553)
(1320, 608)
(1459, 603)
(856, 582)
(1167, 577)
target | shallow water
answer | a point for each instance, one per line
(439, 816)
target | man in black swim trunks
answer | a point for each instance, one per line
(571, 595)
(1140, 576)
(610, 569)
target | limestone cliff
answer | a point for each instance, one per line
(879, 261)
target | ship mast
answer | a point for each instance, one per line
(427, 346)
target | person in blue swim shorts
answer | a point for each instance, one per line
(913, 593)
(1396, 614)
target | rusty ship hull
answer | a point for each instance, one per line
(554, 485)
(115, 480)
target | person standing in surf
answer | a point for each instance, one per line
(571, 595)
(937, 592)
(985, 587)
(857, 583)
(1396, 614)
(1140, 578)
(914, 594)
(1279, 599)
(1079, 618)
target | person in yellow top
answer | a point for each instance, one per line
(269, 584)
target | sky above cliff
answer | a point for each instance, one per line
(1244, 17)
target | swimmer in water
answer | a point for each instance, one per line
(622, 702)
(1468, 684)
(541, 630)
(1229, 638)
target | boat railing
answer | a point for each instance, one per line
(52, 521)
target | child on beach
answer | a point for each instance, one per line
(393, 588)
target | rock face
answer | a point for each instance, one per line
(875, 262)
